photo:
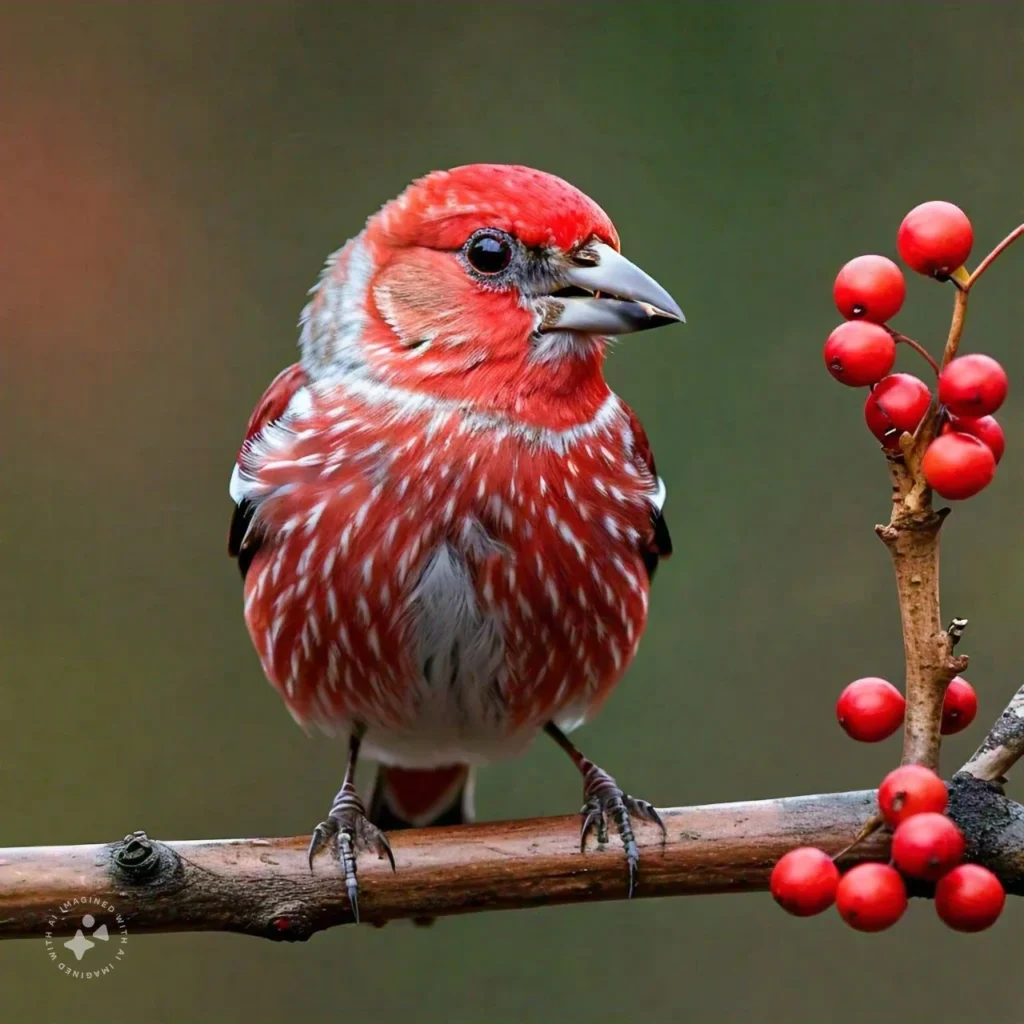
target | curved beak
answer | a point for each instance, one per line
(635, 302)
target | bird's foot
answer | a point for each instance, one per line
(349, 829)
(604, 799)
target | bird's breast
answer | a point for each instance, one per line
(437, 575)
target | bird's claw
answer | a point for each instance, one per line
(351, 831)
(604, 799)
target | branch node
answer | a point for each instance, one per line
(137, 858)
(958, 664)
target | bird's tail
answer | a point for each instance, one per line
(416, 798)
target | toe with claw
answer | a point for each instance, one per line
(348, 827)
(604, 799)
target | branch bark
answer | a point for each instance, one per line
(1003, 745)
(264, 887)
(912, 537)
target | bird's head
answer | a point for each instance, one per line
(490, 285)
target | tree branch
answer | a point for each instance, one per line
(912, 537)
(264, 887)
(1003, 745)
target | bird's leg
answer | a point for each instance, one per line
(603, 799)
(348, 827)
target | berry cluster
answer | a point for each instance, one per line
(949, 443)
(934, 239)
(926, 846)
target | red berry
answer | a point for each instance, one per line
(927, 846)
(871, 897)
(858, 353)
(973, 385)
(984, 428)
(969, 898)
(804, 881)
(908, 790)
(896, 403)
(870, 709)
(935, 239)
(959, 706)
(869, 288)
(958, 465)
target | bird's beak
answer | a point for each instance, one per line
(634, 302)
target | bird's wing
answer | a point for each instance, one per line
(658, 544)
(243, 542)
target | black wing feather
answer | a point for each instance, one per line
(243, 538)
(659, 544)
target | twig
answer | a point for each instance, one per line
(1003, 745)
(1012, 237)
(902, 339)
(956, 326)
(868, 829)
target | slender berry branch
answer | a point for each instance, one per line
(912, 537)
(902, 339)
(1012, 237)
(956, 327)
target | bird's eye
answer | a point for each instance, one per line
(489, 252)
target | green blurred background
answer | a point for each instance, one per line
(171, 177)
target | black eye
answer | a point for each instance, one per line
(489, 253)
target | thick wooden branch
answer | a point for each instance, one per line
(264, 887)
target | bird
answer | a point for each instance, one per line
(446, 521)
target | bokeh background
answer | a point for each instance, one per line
(171, 177)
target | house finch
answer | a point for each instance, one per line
(446, 521)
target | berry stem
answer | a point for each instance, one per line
(868, 829)
(902, 339)
(956, 326)
(1012, 237)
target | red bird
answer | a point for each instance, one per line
(446, 521)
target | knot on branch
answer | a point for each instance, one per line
(137, 859)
